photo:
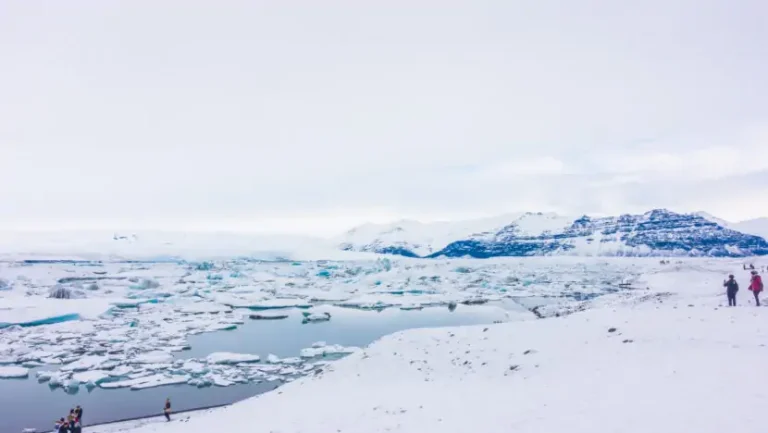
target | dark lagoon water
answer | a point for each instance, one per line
(27, 403)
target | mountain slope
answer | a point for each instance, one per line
(414, 239)
(655, 233)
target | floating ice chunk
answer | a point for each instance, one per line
(280, 303)
(221, 327)
(139, 374)
(335, 349)
(319, 344)
(157, 367)
(155, 357)
(71, 384)
(267, 368)
(231, 358)
(146, 283)
(221, 381)
(194, 367)
(146, 382)
(316, 317)
(268, 316)
(10, 372)
(291, 361)
(131, 303)
(246, 301)
(273, 359)
(95, 376)
(122, 370)
(323, 295)
(7, 360)
(58, 378)
(287, 371)
(161, 380)
(44, 376)
(203, 308)
(85, 363)
(60, 292)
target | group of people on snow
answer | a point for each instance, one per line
(732, 287)
(73, 423)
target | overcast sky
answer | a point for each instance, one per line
(311, 116)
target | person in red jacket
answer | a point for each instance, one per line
(756, 286)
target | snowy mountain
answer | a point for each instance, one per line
(416, 239)
(656, 233)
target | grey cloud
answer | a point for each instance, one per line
(161, 113)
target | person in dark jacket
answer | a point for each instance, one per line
(732, 287)
(79, 413)
(167, 409)
(62, 425)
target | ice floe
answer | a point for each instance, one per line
(324, 350)
(316, 317)
(231, 358)
(11, 372)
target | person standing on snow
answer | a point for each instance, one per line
(167, 409)
(79, 412)
(732, 287)
(756, 286)
(62, 426)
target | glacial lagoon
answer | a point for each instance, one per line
(27, 403)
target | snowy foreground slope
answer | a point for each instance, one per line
(669, 358)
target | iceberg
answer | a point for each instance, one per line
(84, 363)
(250, 301)
(203, 308)
(44, 376)
(268, 316)
(11, 372)
(94, 376)
(230, 358)
(316, 317)
(145, 382)
(278, 303)
(194, 367)
(154, 357)
(313, 352)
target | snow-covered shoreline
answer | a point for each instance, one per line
(668, 359)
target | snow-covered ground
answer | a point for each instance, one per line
(666, 358)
